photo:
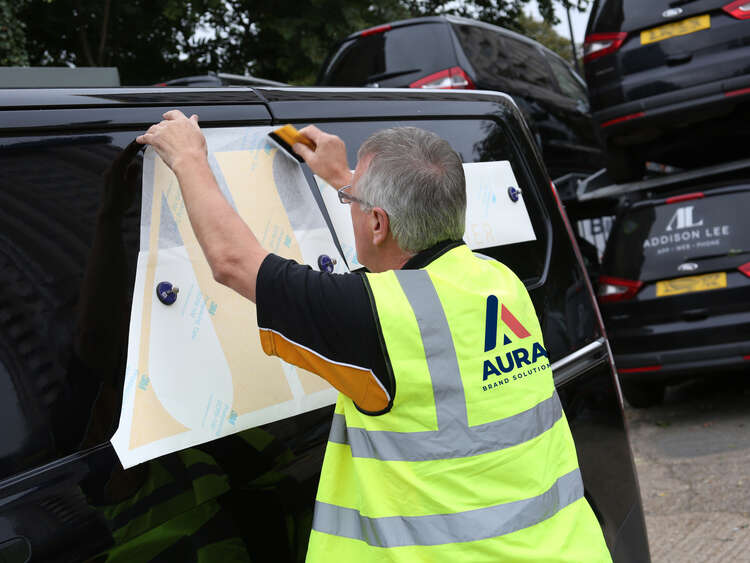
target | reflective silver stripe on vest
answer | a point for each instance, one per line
(451, 442)
(450, 401)
(437, 529)
(454, 438)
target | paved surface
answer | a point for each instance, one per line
(692, 455)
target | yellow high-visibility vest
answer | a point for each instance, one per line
(475, 461)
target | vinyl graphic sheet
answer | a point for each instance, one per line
(195, 369)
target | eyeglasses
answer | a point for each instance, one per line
(346, 198)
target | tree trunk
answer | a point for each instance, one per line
(103, 36)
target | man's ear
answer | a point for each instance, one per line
(380, 225)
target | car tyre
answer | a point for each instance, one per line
(623, 165)
(643, 395)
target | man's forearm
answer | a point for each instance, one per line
(231, 249)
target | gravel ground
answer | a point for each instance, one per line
(692, 455)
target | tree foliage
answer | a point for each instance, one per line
(543, 32)
(154, 40)
(12, 36)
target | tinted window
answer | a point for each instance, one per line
(496, 57)
(68, 244)
(570, 84)
(408, 52)
(627, 15)
(475, 141)
(668, 235)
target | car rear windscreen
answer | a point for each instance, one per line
(393, 58)
(651, 242)
(496, 57)
(609, 16)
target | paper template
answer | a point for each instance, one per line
(195, 369)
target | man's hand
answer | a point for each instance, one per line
(176, 139)
(328, 160)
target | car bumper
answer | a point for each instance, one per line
(665, 111)
(671, 365)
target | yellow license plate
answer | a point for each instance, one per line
(684, 27)
(689, 284)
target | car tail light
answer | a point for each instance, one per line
(745, 269)
(617, 289)
(448, 79)
(639, 369)
(599, 44)
(684, 197)
(375, 30)
(740, 92)
(623, 118)
(739, 9)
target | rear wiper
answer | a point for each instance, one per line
(675, 3)
(731, 252)
(386, 75)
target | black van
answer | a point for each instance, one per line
(669, 81)
(449, 52)
(675, 288)
(69, 239)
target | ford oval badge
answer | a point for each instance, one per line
(687, 267)
(671, 13)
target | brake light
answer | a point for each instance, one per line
(375, 30)
(449, 79)
(617, 289)
(623, 118)
(640, 369)
(599, 44)
(745, 269)
(739, 92)
(739, 9)
(684, 197)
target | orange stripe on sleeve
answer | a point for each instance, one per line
(357, 383)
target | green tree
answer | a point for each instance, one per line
(286, 40)
(142, 38)
(12, 35)
(543, 32)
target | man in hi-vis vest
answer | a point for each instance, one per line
(426, 461)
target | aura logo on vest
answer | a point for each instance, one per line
(526, 354)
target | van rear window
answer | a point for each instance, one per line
(652, 241)
(476, 140)
(393, 58)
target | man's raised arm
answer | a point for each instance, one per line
(231, 249)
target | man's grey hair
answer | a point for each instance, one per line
(418, 179)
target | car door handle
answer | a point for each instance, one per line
(695, 314)
(682, 58)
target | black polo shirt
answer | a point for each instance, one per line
(332, 315)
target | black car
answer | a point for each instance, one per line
(216, 79)
(669, 81)
(449, 52)
(675, 289)
(69, 241)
